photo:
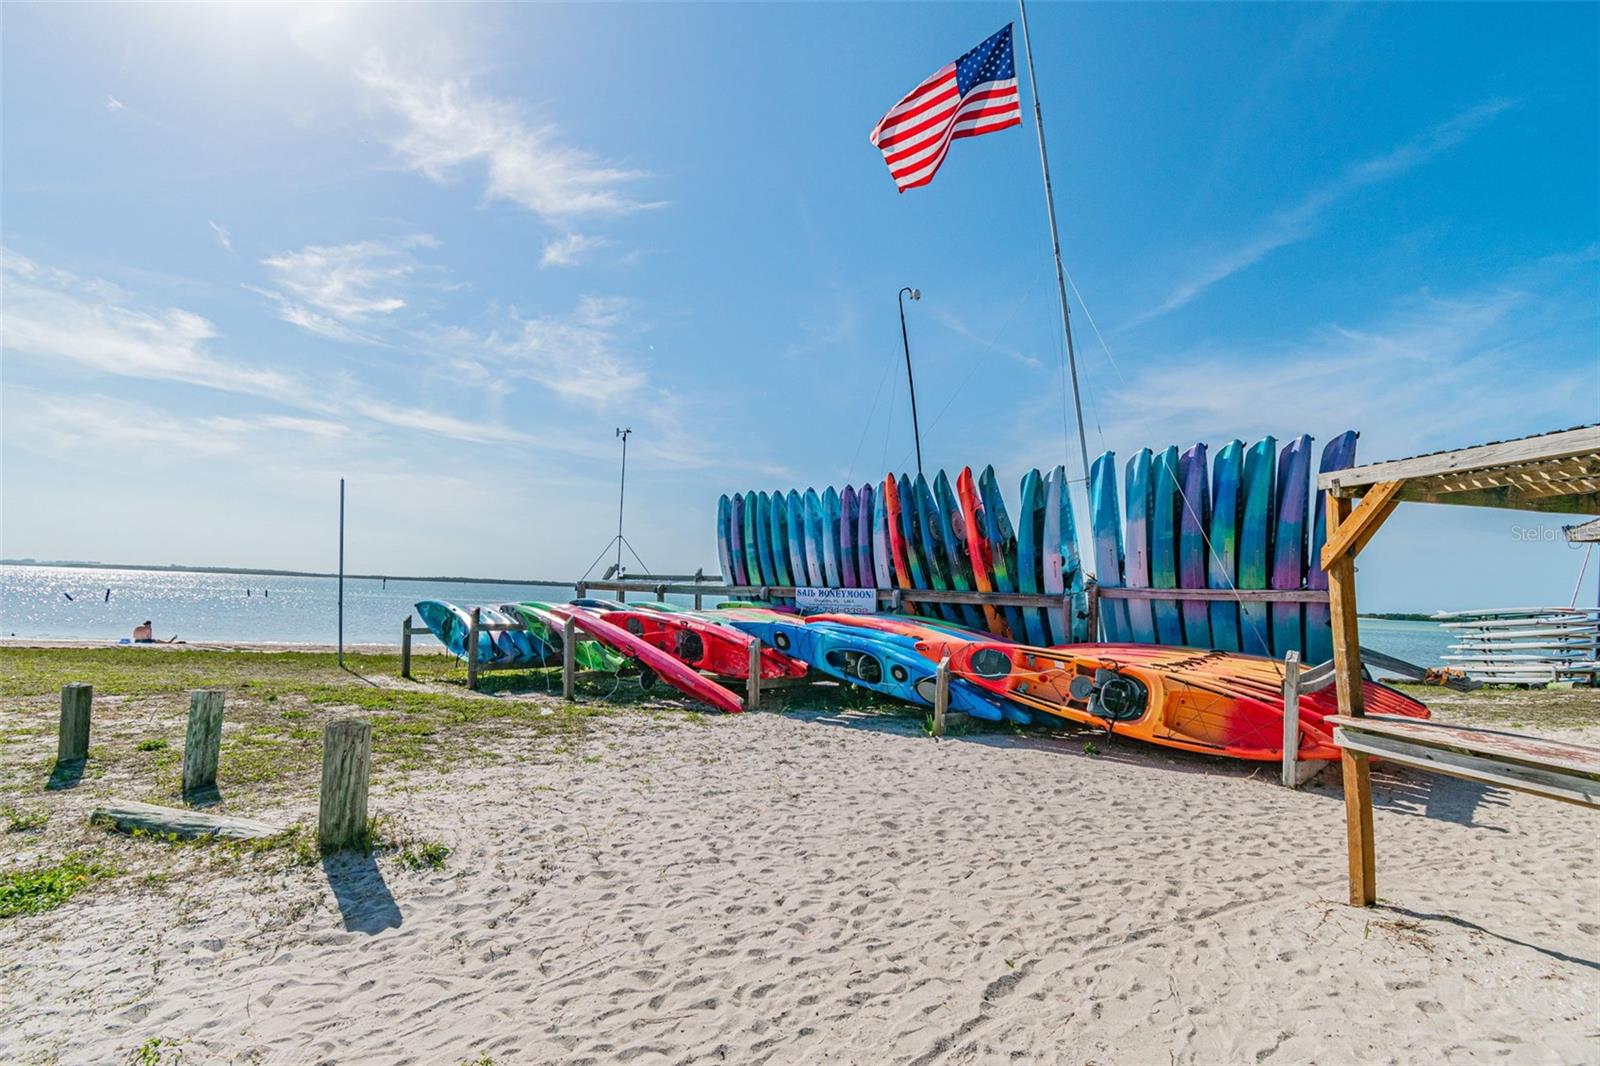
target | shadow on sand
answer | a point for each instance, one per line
(1426, 916)
(364, 899)
(65, 775)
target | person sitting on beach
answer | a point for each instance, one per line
(144, 634)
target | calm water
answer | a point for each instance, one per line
(303, 610)
(200, 606)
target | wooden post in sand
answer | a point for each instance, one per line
(1291, 716)
(472, 651)
(202, 743)
(752, 698)
(569, 659)
(941, 695)
(405, 648)
(73, 744)
(346, 762)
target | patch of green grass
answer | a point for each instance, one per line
(24, 821)
(44, 888)
(427, 855)
(153, 744)
(1091, 748)
(157, 1051)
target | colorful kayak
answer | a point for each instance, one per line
(1030, 555)
(1105, 521)
(795, 517)
(935, 556)
(741, 573)
(979, 552)
(720, 649)
(953, 531)
(769, 569)
(1194, 515)
(1002, 547)
(1255, 543)
(1164, 506)
(881, 662)
(866, 564)
(664, 666)
(883, 556)
(587, 654)
(813, 532)
(451, 625)
(724, 552)
(911, 540)
(1222, 568)
(1289, 544)
(1063, 571)
(1339, 453)
(778, 527)
(1136, 572)
(1210, 702)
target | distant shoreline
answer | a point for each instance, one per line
(174, 568)
(1399, 616)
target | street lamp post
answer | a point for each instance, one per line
(916, 432)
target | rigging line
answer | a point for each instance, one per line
(866, 425)
(1583, 570)
(1095, 326)
(888, 427)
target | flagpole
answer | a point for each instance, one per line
(1055, 245)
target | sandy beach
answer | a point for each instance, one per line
(823, 885)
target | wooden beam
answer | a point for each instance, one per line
(1358, 529)
(1511, 499)
(1584, 533)
(569, 658)
(128, 815)
(1224, 595)
(1342, 612)
(1358, 828)
(1567, 444)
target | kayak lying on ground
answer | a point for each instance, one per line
(663, 665)
(704, 645)
(1213, 702)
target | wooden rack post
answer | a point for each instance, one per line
(405, 648)
(346, 764)
(569, 659)
(941, 695)
(752, 699)
(1291, 716)
(472, 651)
(73, 743)
(202, 742)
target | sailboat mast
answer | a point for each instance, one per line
(1055, 246)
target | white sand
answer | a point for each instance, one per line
(821, 889)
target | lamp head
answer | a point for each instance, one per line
(916, 294)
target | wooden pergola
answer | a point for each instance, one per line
(1553, 472)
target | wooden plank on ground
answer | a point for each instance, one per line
(128, 815)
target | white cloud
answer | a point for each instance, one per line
(113, 104)
(223, 238)
(1300, 221)
(569, 250)
(575, 354)
(448, 126)
(335, 290)
(54, 316)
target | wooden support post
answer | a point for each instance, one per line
(405, 648)
(569, 659)
(202, 743)
(941, 695)
(1291, 718)
(73, 744)
(1358, 827)
(1091, 591)
(661, 594)
(1342, 609)
(697, 601)
(752, 699)
(346, 764)
(472, 651)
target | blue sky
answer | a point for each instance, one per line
(444, 252)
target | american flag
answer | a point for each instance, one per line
(975, 94)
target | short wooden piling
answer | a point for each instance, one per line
(1291, 718)
(346, 764)
(405, 648)
(569, 659)
(941, 695)
(472, 651)
(73, 743)
(202, 743)
(752, 699)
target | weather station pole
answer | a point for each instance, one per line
(905, 341)
(622, 490)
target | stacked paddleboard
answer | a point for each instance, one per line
(912, 534)
(1245, 518)
(1525, 646)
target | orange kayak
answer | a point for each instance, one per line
(1206, 701)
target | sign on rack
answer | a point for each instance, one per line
(837, 601)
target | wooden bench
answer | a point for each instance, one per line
(1550, 768)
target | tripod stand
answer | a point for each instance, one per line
(619, 541)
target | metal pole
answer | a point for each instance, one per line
(916, 432)
(341, 571)
(621, 491)
(1055, 244)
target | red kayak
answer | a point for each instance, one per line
(703, 645)
(664, 666)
